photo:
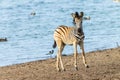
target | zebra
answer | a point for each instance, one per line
(64, 35)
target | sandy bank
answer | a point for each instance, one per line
(104, 65)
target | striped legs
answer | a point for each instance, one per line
(59, 55)
(61, 46)
(75, 55)
(83, 54)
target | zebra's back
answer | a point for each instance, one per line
(65, 34)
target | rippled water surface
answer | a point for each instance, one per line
(31, 37)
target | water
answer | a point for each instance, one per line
(31, 37)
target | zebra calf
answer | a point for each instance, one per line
(70, 35)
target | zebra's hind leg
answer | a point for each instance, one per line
(59, 55)
(57, 62)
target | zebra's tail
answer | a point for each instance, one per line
(52, 51)
(54, 45)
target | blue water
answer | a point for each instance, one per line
(31, 37)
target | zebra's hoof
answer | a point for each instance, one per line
(63, 69)
(86, 66)
(76, 68)
(58, 70)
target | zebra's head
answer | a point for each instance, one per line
(77, 19)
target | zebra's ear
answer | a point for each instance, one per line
(73, 15)
(81, 14)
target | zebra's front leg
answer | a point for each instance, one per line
(83, 54)
(75, 55)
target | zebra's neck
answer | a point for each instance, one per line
(78, 33)
(78, 28)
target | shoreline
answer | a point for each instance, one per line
(49, 57)
(104, 65)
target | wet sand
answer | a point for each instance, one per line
(103, 65)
